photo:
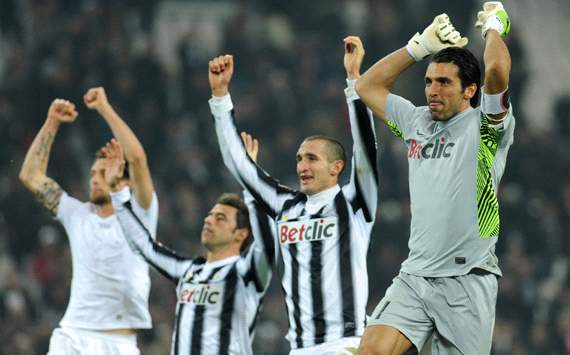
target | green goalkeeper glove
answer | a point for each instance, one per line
(437, 36)
(493, 17)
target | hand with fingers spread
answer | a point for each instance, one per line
(114, 164)
(220, 71)
(353, 56)
(62, 111)
(438, 35)
(251, 145)
(96, 99)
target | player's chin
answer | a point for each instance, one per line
(305, 188)
(99, 199)
(438, 116)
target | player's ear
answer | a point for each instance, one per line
(242, 234)
(470, 91)
(337, 167)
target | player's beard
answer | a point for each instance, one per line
(100, 200)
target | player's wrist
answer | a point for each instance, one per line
(220, 92)
(52, 122)
(105, 109)
(416, 49)
(352, 76)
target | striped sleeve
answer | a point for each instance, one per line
(267, 191)
(164, 260)
(362, 190)
(260, 257)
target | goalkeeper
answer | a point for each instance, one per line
(447, 287)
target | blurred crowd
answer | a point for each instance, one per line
(151, 56)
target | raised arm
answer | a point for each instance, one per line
(374, 86)
(33, 171)
(266, 190)
(164, 260)
(141, 182)
(494, 24)
(363, 187)
(260, 258)
(262, 254)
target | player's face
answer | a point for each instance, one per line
(315, 171)
(444, 94)
(98, 188)
(220, 227)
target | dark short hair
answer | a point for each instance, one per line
(469, 70)
(99, 155)
(335, 150)
(242, 215)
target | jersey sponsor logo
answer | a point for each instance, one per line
(438, 150)
(308, 231)
(201, 294)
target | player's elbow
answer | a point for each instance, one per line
(25, 177)
(137, 158)
(28, 179)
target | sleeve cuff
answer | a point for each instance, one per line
(350, 91)
(220, 104)
(120, 197)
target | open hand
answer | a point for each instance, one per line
(114, 163)
(251, 145)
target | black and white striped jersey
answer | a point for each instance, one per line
(217, 302)
(323, 238)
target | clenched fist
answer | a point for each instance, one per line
(96, 99)
(220, 71)
(353, 55)
(62, 111)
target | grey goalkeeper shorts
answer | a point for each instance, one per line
(458, 311)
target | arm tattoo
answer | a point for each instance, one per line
(49, 194)
(44, 148)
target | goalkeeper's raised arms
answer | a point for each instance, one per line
(493, 17)
(438, 35)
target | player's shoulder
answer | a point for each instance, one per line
(72, 205)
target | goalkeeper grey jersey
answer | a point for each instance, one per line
(454, 170)
(218, 302)
(323, 238)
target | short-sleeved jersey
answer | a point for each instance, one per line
(455, 167)
(110, 283)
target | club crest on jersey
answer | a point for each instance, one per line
(201, 294)
(308, 231)
(441, 148)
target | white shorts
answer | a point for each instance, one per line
(75, 341)
(343, 346)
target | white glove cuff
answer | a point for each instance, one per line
(416, 49)
(492, 23)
